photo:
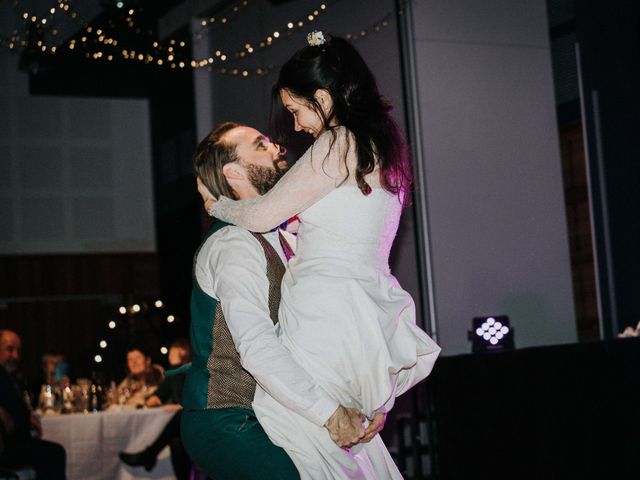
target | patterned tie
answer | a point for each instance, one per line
(288, 251)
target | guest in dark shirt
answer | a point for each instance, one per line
(20, 448)
(168, 392)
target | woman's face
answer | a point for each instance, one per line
(137, 362)
(176, 356)
(305, 117)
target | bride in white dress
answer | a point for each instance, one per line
(343, 316)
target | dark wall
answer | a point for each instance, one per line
(565, 412)
(609, 40)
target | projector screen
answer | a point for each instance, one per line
(75, 173)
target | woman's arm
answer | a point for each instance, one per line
(317, 172)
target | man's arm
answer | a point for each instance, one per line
(161, 395)
(232, 268)
(235, 274)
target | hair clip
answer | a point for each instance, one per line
(316, 38)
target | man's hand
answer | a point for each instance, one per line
(206, 195)
(345, 426)
(375, 427)
(153, 401)
(35, 423)
(7, 420)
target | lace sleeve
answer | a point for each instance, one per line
(313, 176)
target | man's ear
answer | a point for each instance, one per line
(233, 171)
(323, 97)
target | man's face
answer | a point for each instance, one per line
(263, 160)
(10, 351)
(137, 362)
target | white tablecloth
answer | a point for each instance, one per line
(93, 440)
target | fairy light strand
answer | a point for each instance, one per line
(250, 48)
(169, 54)
(222, 19)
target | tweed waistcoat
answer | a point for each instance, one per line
(216, 378)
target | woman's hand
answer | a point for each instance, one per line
(375, 426)
(207, 197)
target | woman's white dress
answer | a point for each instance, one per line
(342, 315)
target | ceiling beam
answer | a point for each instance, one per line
(180, 16)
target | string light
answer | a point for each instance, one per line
(384, 22)
(269, 39)
(19, 37)
(224, 20)
(172, 58)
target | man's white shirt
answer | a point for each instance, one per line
(231, 267)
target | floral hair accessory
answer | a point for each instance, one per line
(316, 38)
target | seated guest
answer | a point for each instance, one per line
(20, 447)
(55, 370)
(169, 392)
(143, 377)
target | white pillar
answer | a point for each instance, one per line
(202, 85)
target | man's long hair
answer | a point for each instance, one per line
(211, 155)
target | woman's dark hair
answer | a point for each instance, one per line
(337, 67)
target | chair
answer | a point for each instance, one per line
(8, 474)
(18, 473)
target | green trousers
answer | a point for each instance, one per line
(230, 444)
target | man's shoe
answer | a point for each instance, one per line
(141, 459)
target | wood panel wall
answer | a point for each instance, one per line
(59, 303)
(579, 226)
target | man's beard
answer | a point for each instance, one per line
(264, 178)
(10, 366)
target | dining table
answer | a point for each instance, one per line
(92, 441)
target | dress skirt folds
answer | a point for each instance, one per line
(345, 320)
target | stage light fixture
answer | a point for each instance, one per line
(490, 334)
